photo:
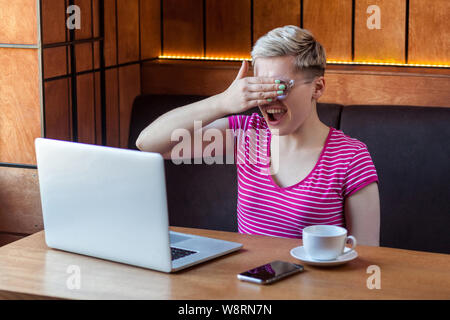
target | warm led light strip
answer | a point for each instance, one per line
(390, 64)
(328, 61)
(204, 58)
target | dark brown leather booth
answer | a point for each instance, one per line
(409, 146)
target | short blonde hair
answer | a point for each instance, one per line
(292, 41)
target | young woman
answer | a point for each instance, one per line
(315, 174)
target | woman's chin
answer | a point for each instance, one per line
(278, 126)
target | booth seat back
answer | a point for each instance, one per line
(409, 147)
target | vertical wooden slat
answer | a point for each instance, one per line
(228, 29)
(96, 17)
(269, 14)
(83, 53)
(429, 32)
(150, 12)
(86, 108)
(98, 109)
(96, 54)
(110, 41)
(128, 30)
(129, 88)
(53, 21)
(183, 27)
(57, 110)
(19, 104)
(112, 108)
(330, 21)
(86, 19)
(385, 44)
(55, 62)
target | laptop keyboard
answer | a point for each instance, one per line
(180, 253)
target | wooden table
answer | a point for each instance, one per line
(29, 269)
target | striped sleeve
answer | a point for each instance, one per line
(360, 172)
(237, 122)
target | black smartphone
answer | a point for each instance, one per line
(270, 272)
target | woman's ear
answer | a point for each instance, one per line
(319, 87)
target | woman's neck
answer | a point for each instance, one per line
(309, 136)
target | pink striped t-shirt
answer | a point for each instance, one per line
(264, 208)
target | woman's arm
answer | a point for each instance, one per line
(157, 136)
(243, 94)
(362, 215)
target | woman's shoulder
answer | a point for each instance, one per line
(252, 121)
(341, 140)
(257, 121)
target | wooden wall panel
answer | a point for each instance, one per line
(83, 53)
(58, 112)
(429, 32)
(150, 12)
(18, 21)
(19, 105)
(97, 55)
(96, 18)
(55, 62)
(21, 210)
(112, 108)
(228, 29)
(381, 45)
(86, 19)
(389, 88)
(110, 42)
(53, 21)
(128, 30)
(330, 21)
(178, 77)
(183, 27)
(125, 21)
(86, 108)
(344, 85)
(98, 108)
(129, 88)
(269, 14)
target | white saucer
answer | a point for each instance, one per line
(300, 254)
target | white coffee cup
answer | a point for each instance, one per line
(325, 242)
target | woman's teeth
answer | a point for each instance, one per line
(275, 114)
(275, 111)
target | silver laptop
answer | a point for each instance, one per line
(111, 203)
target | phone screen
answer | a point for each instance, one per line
(271, 271)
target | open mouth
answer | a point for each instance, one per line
(275, 114)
